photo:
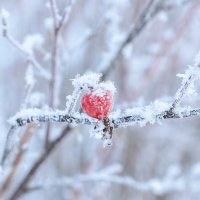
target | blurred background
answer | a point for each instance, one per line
(144, 71)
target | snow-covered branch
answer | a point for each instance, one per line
(191, 75)
(142, 117)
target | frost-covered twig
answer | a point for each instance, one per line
(191, 75)
(143, 116)
(41, 116)
(29, 55)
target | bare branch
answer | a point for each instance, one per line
(8, 145)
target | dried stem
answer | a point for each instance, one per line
(7, 148)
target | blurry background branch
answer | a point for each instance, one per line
(174, 180)
(151, 9)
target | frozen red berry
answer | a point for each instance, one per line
(97, 104)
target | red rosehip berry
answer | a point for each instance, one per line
(97, 104)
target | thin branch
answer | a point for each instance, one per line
(170, 182)
(166, 185)
(191, 75)
(7, 148)
(125, 120)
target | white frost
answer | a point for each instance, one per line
(5, 14)
(29, 76)
(48, 23)
(87, 80)
(32, 42)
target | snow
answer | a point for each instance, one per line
(48, 23)
(36, 99)
(36, 115)
(162, 16)
(5, 14)
(148, 114)
(109, 86)
(86, 81)
(32, 42)
(191, 75)
(197, 60)
(29, 76)
(195, 171)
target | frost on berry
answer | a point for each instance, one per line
(81, 83)
(86, 81)
(96, 102)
